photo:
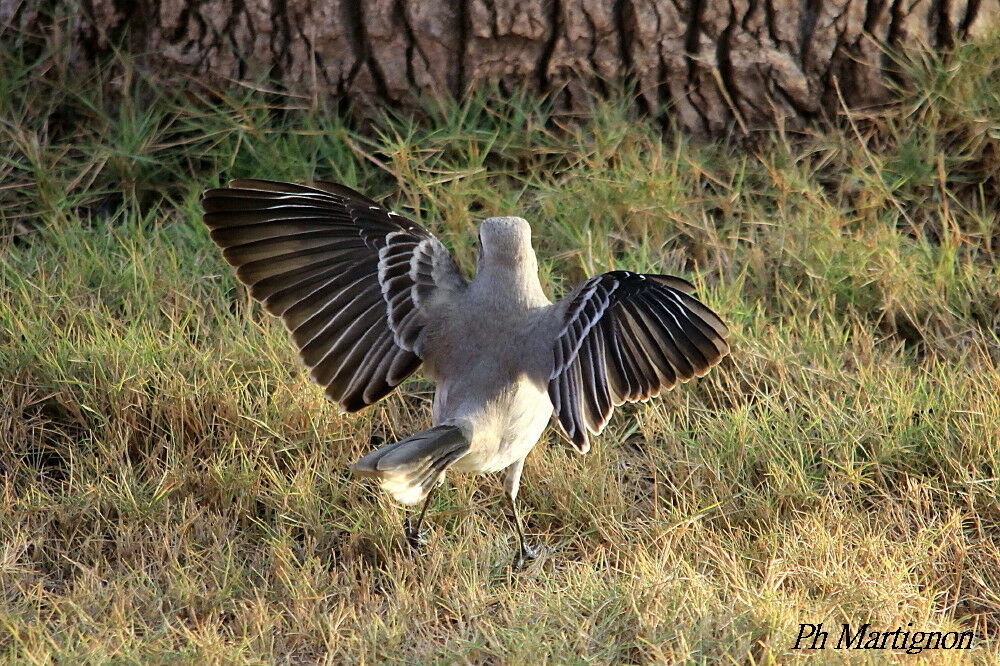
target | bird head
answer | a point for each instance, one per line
(506, 240)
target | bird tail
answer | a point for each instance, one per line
(408, 469)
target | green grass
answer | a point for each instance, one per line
(173, 488)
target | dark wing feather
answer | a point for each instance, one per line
(626, 337)
(354, 283)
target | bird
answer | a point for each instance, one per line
(369, 296)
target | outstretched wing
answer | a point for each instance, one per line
(354, 283)
(626, 337)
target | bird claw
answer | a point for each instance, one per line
(525, 554)
(416, 539)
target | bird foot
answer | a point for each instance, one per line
(416, 539)
(525, 554)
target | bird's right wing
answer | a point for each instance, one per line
(626, 337)
(354, 283)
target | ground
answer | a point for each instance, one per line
(175, 490)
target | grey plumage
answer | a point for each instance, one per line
(369, 296)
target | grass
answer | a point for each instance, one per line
(174, 490)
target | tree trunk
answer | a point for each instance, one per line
(710, 66)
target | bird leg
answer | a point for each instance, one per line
(511, 485)
(414, 536)
(525, 552)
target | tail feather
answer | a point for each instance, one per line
(408, 469)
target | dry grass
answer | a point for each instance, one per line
(173, 490)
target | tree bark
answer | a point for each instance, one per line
(709, 66)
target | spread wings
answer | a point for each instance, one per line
(626, 337)
(354, 283)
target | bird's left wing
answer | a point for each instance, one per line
(626, 337)
(354, 283)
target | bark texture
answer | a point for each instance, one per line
(712, 66)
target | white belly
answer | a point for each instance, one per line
(507, 430)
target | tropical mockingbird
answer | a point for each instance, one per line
(369, 296)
